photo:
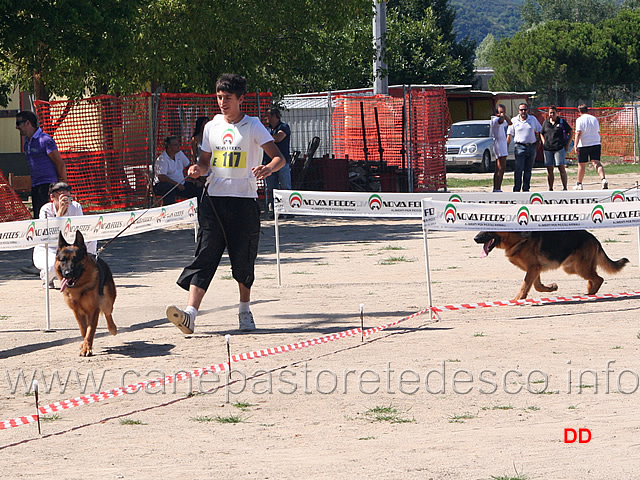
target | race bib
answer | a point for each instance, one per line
(227, 159)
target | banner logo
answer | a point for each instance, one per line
(227, 136)
(536, 198)
(375, 202)
(450, 213)
(192, 209)
(295, 200)
(67, 226)
(31, 231)
(98, 225)
(523, 216)
(163, 213)
(597, 214)
(132, 218)
(618, 196)
(455, 198)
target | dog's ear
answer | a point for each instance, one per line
(61, 241)
(79, 241)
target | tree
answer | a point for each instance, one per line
(581, 56)
(484, 51)
(535, 12)
(422, 46)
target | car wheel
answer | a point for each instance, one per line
(485, 166)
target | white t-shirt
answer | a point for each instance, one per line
(171, 168)
(524, 131)
(235, 151)
(590, 128)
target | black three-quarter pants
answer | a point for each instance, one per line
(230, 223)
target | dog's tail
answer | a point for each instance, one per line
(609, 265)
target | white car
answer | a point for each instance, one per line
(469, 144)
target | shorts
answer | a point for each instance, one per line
(232, 224)
(591, 152)
(556, 158)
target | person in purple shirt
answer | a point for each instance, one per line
(45, 164)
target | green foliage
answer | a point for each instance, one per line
(484, 50)
(535, 12)
(421, 44)
(478, 18)
(580, 57)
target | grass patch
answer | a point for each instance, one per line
(193, 394)
(502, 407)
(50, 418)
(479, 334)
(518, 476)
(617, 347)
(244, 406)
(460, 418)
(367, 438)
(128, 421)
(393, 247)
(572, 407)
(299, 272)
(219, 419)
(226, 276)
(394, 260)
(387, 414)
(533, 408)
(4, 317)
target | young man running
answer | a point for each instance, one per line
(232, 145)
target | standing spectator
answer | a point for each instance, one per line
(45, 164)
(228, 215)
(61, 204)
(587, 146)
(169, 169)
(525, 132)
(556, 135)
(499, 122)
(196, 138)
(281, 133)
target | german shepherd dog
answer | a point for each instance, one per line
(576, 251)
(88, 288)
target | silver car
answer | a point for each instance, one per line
(469, 144)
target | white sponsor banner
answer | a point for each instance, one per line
(27, 233)
(514, 218)
(378, 204)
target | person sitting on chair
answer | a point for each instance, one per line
(61, 204)
(169, 169)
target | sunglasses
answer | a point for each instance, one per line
(523, 109)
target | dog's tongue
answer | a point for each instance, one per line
(485, 250)
(63, 284)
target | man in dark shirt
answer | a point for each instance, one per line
(281, 133)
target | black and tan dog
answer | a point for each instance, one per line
(88, 288)
(576, 251)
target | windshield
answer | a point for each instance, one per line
(469, 131)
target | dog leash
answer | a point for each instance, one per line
(138, 218)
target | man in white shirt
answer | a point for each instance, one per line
(500, 149)
(169, 170)
(525, 132)
(588, 146)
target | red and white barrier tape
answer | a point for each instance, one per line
(220, 367)
(532, 301)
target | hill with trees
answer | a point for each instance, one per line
(477, 18)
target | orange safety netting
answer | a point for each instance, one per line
(11, 207)
(616, 129)
(372, 129)
(177, 114)
(105, 142)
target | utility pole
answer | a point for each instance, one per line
(381, 82)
